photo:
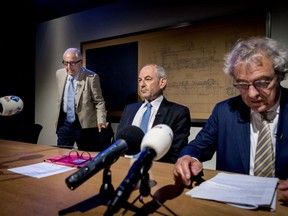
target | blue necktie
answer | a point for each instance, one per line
(145, 118)
(71, 102)
(144, 122)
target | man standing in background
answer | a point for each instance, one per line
(80, 101)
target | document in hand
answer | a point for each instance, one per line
(244, 191)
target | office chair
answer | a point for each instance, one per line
(95, 140)
(24, 132)
(28, 133)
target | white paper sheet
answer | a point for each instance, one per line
(243, 191)
(41, 170)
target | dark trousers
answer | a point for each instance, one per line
(69, 133)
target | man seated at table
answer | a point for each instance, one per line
(257, 66)
(152, 81)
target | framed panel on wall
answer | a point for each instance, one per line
(193, 57)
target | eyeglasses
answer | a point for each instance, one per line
(74, 158)
(258, 84)
(70, 63)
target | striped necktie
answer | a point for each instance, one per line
(264, 157)
(71, 102)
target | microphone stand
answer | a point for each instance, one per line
(144, 187)
(145, 190)
(105, 193)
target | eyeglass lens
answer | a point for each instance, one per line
(70, 63)
(258, 84)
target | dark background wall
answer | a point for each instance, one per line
(33, 46)
(18, 49)
(18, 59)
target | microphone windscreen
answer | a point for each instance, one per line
(158, 138)
(133, 136)
(10, 105)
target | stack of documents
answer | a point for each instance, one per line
(245, 191)
(41, 170)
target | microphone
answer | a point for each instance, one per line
(155, 145)
(10, 105)
(129, 141)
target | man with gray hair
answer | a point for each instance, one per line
(152, 81)
(81, 105)
(249, 132)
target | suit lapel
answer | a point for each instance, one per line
(80, 86)
(161, 113)
(243, 138)
(62, 82)
(132, 112)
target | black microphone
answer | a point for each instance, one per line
(10, 105)
(129, 141)
(155, 145)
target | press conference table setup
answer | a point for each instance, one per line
(25, 195)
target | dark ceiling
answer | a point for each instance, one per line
(45, 10)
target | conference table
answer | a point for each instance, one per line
(25, 195)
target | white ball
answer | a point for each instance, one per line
(11, 104)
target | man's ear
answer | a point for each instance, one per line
(163, 82)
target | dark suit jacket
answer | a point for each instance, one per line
(227, 132)
(176, 116)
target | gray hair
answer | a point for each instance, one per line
(249, 50)
(77, 53)
(160, 71)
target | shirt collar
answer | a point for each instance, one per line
(154, 103)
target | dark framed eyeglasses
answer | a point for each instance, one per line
(258, 84)
(72, 63)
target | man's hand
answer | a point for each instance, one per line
(101, 125)
(185, 168)
(283, 191)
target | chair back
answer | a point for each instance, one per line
(93, 140)
(27, 133)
